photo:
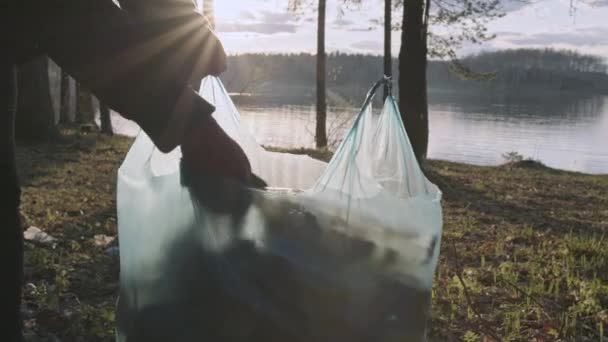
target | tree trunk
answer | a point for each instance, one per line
(105, 119)
(64, 107)
(35, 114)
(412, 76)
(209, 12)
(388, 68)
(85, 114)
(11, 233)
(320, 131)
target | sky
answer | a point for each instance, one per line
(266, 26)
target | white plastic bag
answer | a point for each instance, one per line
(344, 251)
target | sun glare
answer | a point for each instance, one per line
(226, 9)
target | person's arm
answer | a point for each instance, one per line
(141, 63)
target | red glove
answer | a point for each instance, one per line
(208, 151)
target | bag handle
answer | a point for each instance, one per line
(385, 80)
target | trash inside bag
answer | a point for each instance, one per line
(338, 251)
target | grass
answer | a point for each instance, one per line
(523, 257)
(529, 243)
(69, 192)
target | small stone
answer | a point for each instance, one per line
(35, 234)
(29, 287)
(26, 312)
(29, 335)
(51, 319)
(101, 240)
(28, 272)
(113, 251)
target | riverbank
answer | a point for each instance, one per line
(527, 242)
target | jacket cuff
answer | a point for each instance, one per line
(189, 106)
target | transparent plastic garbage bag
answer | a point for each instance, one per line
(338, 251)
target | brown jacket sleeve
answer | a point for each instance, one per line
(141, 64)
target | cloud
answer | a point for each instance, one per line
(588, 36)
(360, 29)
(597, 3)
(587, 40)
(276, 17)
(509, 6)
(246, 15)
(515, 5)
(339, 23)
(508, 34)
(264, 28)
(368, 45)
(260, 21)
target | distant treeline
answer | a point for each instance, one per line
(291, 78)
(281, 78)
(525, 70)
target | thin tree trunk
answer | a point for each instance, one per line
(388, 68)
(35, 117)
(85, 114)
(11, 234)
(105, 119)
(412, 76)
(320, 131)
(64, 107)
(77, 109)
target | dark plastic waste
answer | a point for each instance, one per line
(343, 251)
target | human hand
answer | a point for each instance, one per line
(209, 152)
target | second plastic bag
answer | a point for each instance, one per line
(343, 251)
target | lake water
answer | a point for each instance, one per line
(562, 132)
